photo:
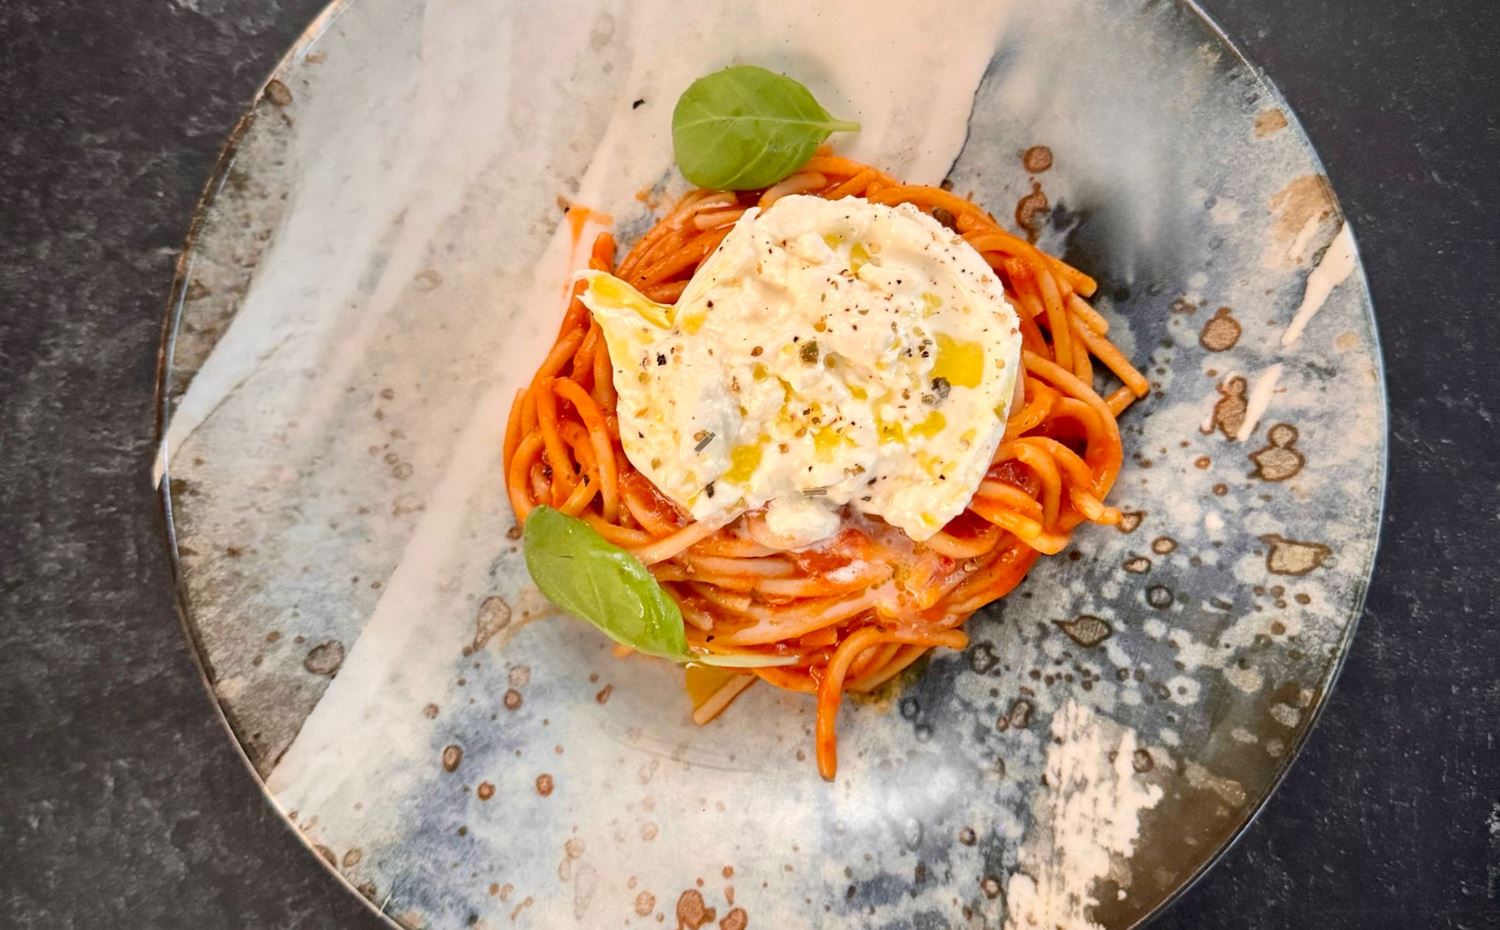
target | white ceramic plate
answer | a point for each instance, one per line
(378, 266)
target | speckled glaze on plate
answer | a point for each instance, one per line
(379, 263)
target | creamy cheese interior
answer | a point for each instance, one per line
(828, 354)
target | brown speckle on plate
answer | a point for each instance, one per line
(1281, 459)
(278, 93)
(1293, 557)
(1221, 332)
(645, 903)
(1029, 211)
(1229, 410)
(492, 617)
(452, 755)
(1037, 159)
(1270, 121)
(1086, 630)
(325, 658)
(691, 911)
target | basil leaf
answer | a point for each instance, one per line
(593, 579)
(589, 577)
(745, 128)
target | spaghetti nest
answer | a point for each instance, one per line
(853, 611)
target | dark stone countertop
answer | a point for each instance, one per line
(123, 802)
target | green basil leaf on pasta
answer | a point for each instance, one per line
(595, 580)
(744, 128)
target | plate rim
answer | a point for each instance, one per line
(161, 402)
(1382, 474)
